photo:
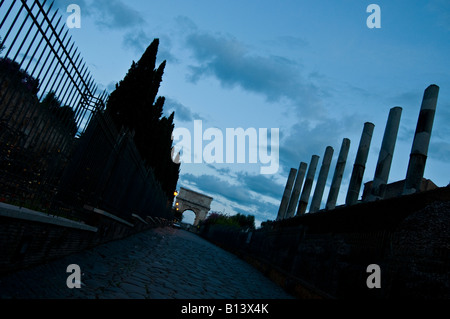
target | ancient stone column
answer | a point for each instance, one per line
(386, 153)
(419, 150)
(360, 164)
(338, 173)
(296, 191)
(321, 180)
(286, 194)
(304, 198)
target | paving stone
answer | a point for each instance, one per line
(162, 263)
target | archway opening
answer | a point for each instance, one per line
(188, 217)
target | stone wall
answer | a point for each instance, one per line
(28, 238)
(326, 254)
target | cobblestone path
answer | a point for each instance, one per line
(162, 263)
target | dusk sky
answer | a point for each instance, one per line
(312, 69)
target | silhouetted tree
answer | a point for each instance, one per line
(134, 105)
(64, 114)
(18, 77)
(2, 47)
(267, 224)
(237, 221)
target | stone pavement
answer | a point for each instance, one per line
(162, 263)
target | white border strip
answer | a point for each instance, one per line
(120, 220)
(11, 211)
(139, 217)
(153, 221)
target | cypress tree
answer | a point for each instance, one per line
(134, 105)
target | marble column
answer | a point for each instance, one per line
(338, 173)
(383, 168)
(321, 180)
(306, 191)
(296, 191)
(360, 164)
(419, 150)
(286, 194)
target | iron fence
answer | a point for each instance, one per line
(48, 98)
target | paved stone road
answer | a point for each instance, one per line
(163, 263)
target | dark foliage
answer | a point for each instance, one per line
(134, 105)
(238, 221)
(17, 76)
(64, 114)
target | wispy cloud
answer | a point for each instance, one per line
(109, 14)
(219, 186)
(290, 42)
(243, 195)
(306, 140)
(182, 112)
(234, 65)
(136, 40)
(261, 184)
(116, 14)
(120, 16)
(278, 79)
(411, 102)
(63, 4)
(185, 24)
(440, 150)
(229, 61)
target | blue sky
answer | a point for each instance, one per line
(313, 69)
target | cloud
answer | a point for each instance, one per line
(290, 42)
(406, 133)
(306, 139)
(439, 144)
(185, 24)
(222, 171)
(237, 196)
(63, 4)
(164, 53)
(276, 78)
(265, 185)
(261, 184)
(112, 14)
(111, 86)
(440, 150)
(115, 14)
(218, 186)
(182, 113)
(441, 129)
(232, 63)
(119, 16)
(411, 102)
(137, 40)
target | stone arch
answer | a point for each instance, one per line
(198, 203)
